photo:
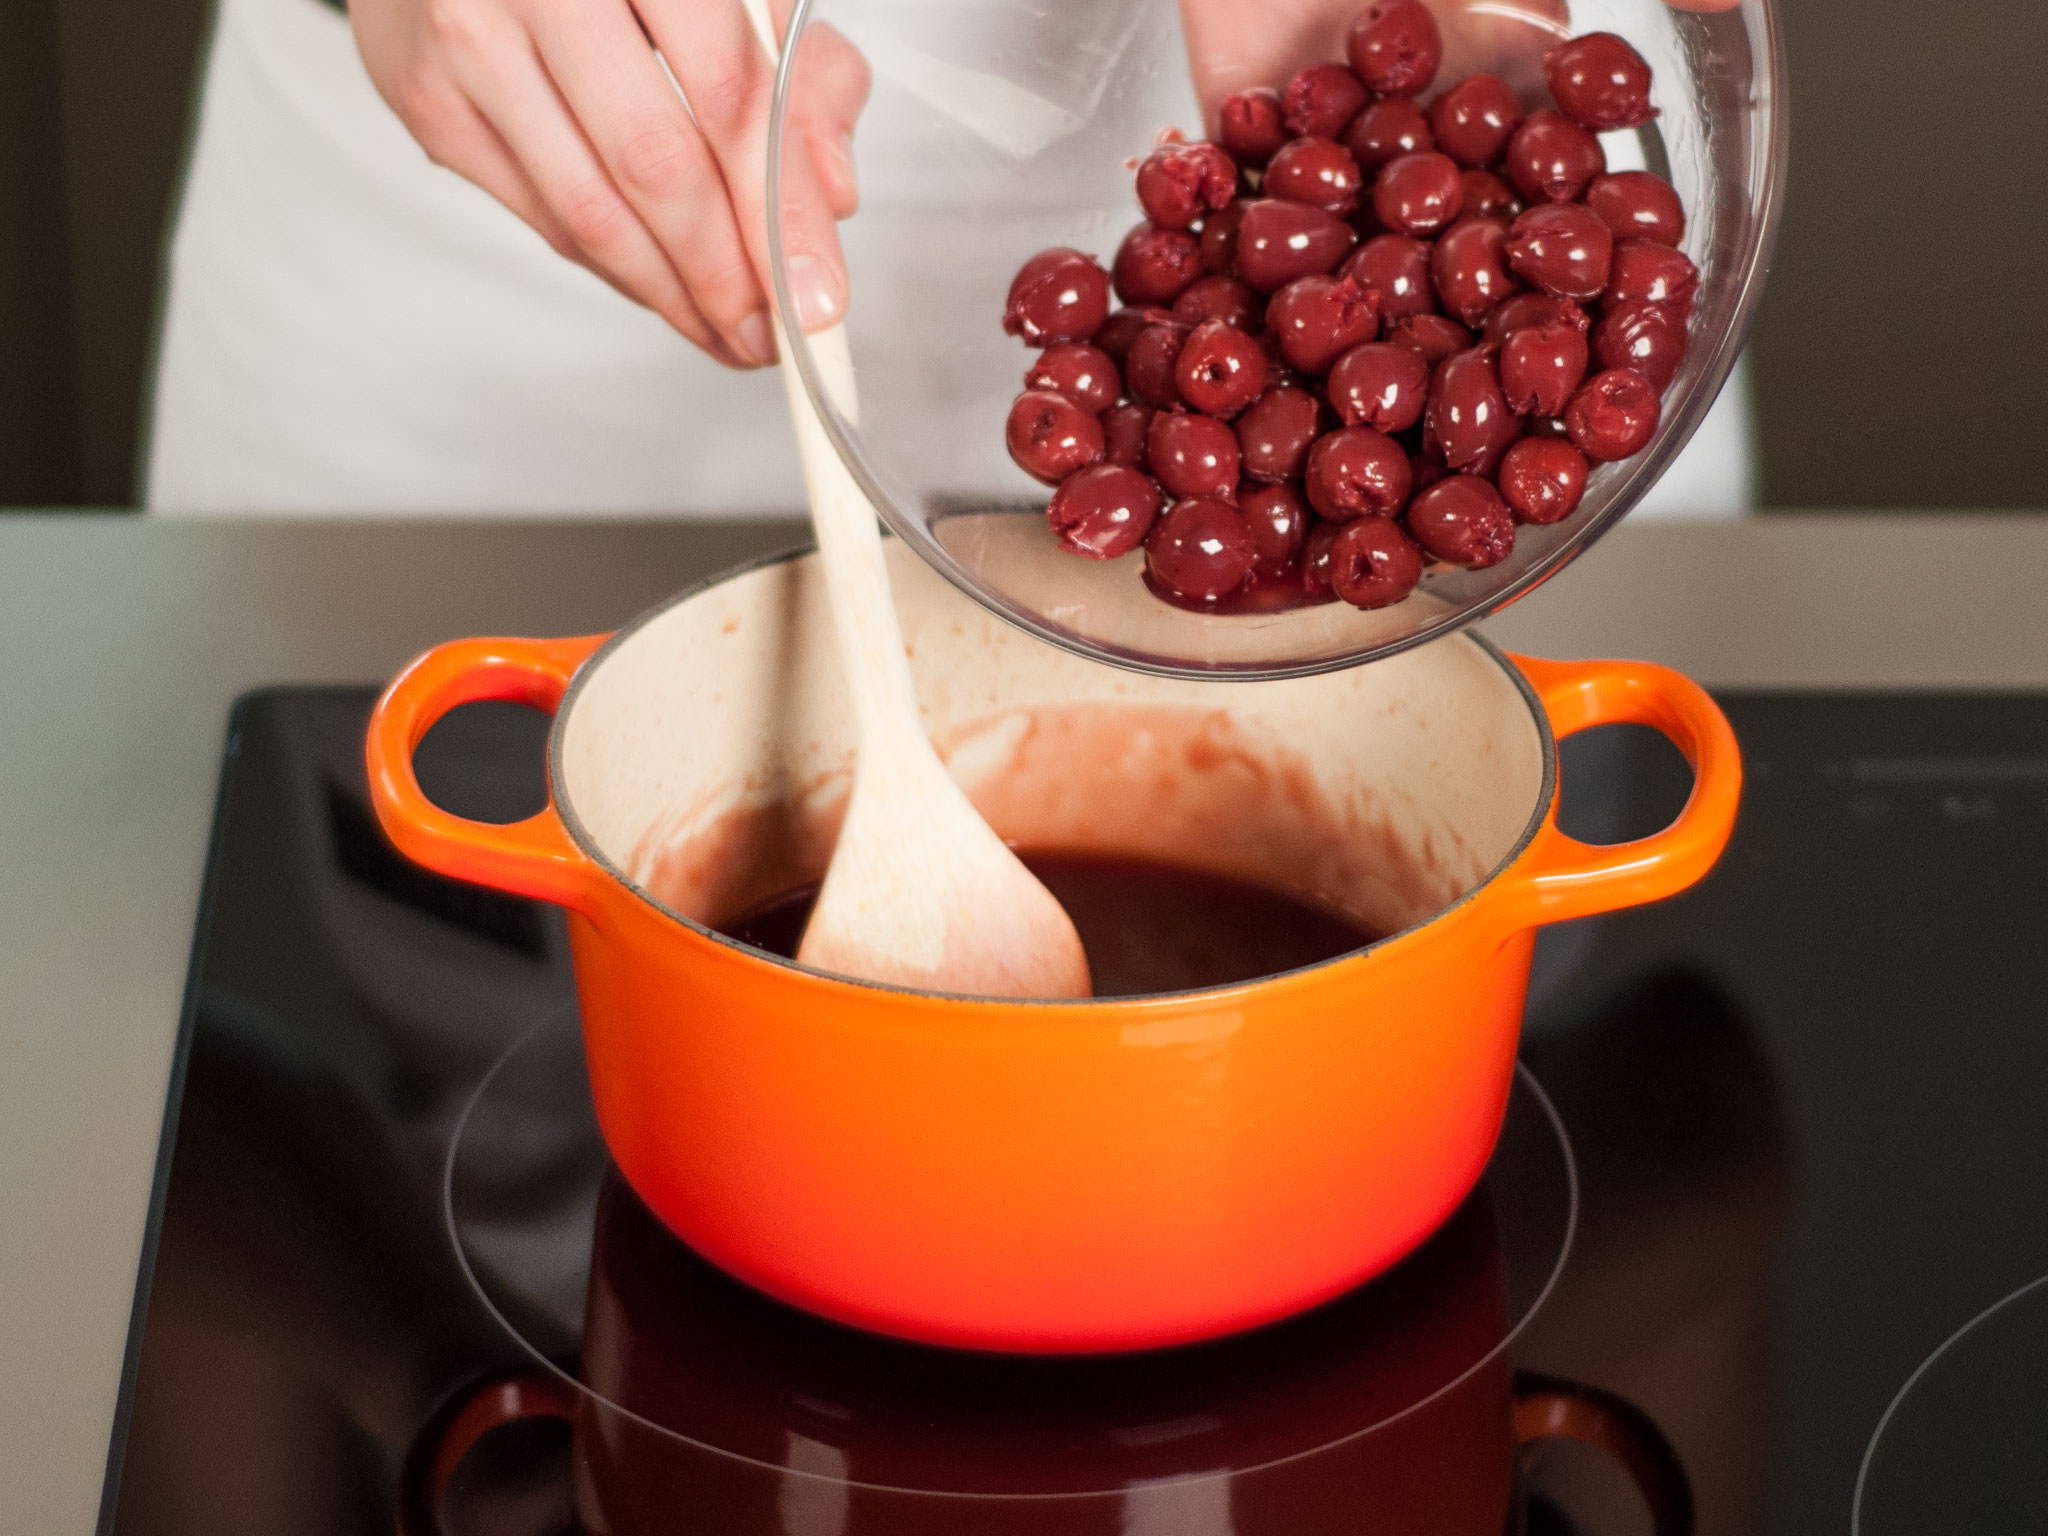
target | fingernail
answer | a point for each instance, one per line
(837, 154)
(754, 339)
(819, 297)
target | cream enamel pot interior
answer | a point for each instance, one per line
(1048, 1176)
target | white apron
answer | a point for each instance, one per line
(351, 329)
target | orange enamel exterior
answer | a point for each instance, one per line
(1046, 1176)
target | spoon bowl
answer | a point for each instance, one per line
(920, 891)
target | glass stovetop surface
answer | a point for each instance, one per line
(558, 1248)
(1805, 1102)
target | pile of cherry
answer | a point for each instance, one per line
(1359, 335)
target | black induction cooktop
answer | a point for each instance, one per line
(1808, 1103)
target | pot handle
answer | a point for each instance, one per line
(1547, 1408)
(535, 857)
(456, 1426)
(1560, 877)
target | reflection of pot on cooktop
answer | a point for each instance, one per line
(683, 1346)
(1392, 1410)
(700, 1404)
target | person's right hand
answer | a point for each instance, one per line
(561, 110)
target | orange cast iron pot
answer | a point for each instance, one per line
(1049, 1177)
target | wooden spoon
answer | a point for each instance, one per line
(920, 892)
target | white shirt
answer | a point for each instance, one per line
(351, 329)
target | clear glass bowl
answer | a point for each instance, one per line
(999, 127)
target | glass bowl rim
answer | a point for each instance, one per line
(1769, 157)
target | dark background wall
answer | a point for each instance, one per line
(94, 102)
(1899, 360)
(1902, 354)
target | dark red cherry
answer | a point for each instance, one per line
(1122, 327)
(1463, 520)
(1221, 370)
(1050, 436)
(1275, 432)
(1279, 241)
(1474, 120)
(1653, 273)
(1638, 206)
(1372, 563)
(1395, 47)
(1523, 310)
(1315, 554)
(1314, 319)
(1427, 472)
(1468, 417)
(1432, 337)
(1200, 548)
(1149, 367)
(1321, 100)
(1103, 511)
(1279, 521)
(1180, 183)
(1154, 265)
(1319, 172)
(1540, 366)
(1192, 455)
(1418, 194)
(1381, 385)
(1613, 414)
(1649, 339)
(1058, 295)
(1488, 196)
(1254, 124)
(1355, 471)
(1221, 298)
(1219, 238)
(1123, 434)
(1542, 479)
(1469, 266)
(1599, 82)
(1551, 159)
(1397, 269)
(1391, 127)
(1083, 373)
(1562, 248)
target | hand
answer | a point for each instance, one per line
(1234, 45)
(561, 109)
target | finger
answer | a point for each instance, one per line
(835, 81)
(728, 79)
(456, 138)
(504, 79)
(619, 93)
(1233, 46)
(832, 161)
(831, 84)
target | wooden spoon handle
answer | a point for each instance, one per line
(850, 546)
(849, 539)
